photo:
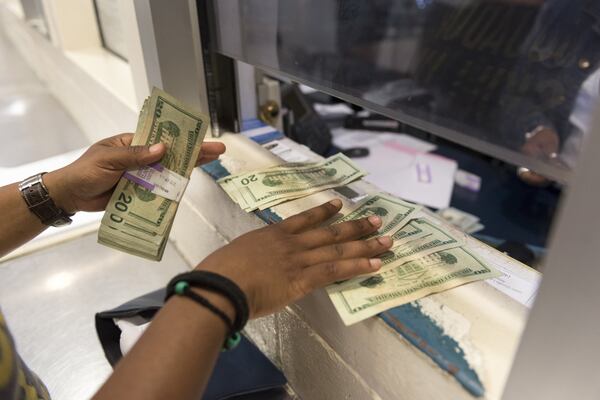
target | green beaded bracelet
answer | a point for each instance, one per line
(181, 287)
(232, 341)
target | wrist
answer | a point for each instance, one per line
(218, 300)
(59, 192)
(238, 279)
(231, 304)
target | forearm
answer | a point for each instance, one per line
(19, 224)
(273, 267)
(174, 358)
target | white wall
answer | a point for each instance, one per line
(95, 87)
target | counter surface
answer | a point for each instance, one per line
(476, 324)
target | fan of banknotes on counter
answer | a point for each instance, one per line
(424, 259)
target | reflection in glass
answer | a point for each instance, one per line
(519, 75)
(34, 14)
(111, 26)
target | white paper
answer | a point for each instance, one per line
(518, 281)
(467, 180)
(285, 152)
(131, 330)
(520, 289)
(333, 109)
(347, 138)
(400, 165)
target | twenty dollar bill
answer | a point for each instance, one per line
(137, 220)
(272, 186)
(365, 296)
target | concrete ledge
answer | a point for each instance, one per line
(483, 323)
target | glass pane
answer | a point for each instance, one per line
(111, 28)
(34, 14)
(516, 79)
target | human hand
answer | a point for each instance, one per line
(281, 263)
(542, 143)
(87, 183)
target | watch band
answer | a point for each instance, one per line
(39, 202)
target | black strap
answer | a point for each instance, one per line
(201, 300)
(41, 204)
(219, 284)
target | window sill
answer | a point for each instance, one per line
(109, 70)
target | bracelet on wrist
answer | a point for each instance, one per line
(182, 284)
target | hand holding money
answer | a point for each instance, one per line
(140, 212)
(87, 183)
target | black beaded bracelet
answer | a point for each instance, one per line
(210, 281)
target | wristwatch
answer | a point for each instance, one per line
(39, 202)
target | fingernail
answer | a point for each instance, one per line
(375, 220)
(336, 203)
(385, 241)
(155, 148)
(375, 263)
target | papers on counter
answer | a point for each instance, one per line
(401, 165)
(333, 109)
(467, 180)
(464, 221)
(346, 138)
(285, 152)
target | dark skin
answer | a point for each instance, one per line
(541, 145)
(274, 266)
(84, 185)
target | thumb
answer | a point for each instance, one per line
(127, 157)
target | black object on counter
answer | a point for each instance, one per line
(356, 152)
(302, 123)
(518, 251)
(241, 373)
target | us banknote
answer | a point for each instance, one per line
(137, 220)
(272, 186)
(394, 213)
(433, 239)
(365, 296)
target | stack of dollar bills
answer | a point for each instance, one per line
(424, 259)
(464, 221)
(140, 213)
(272, 186)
